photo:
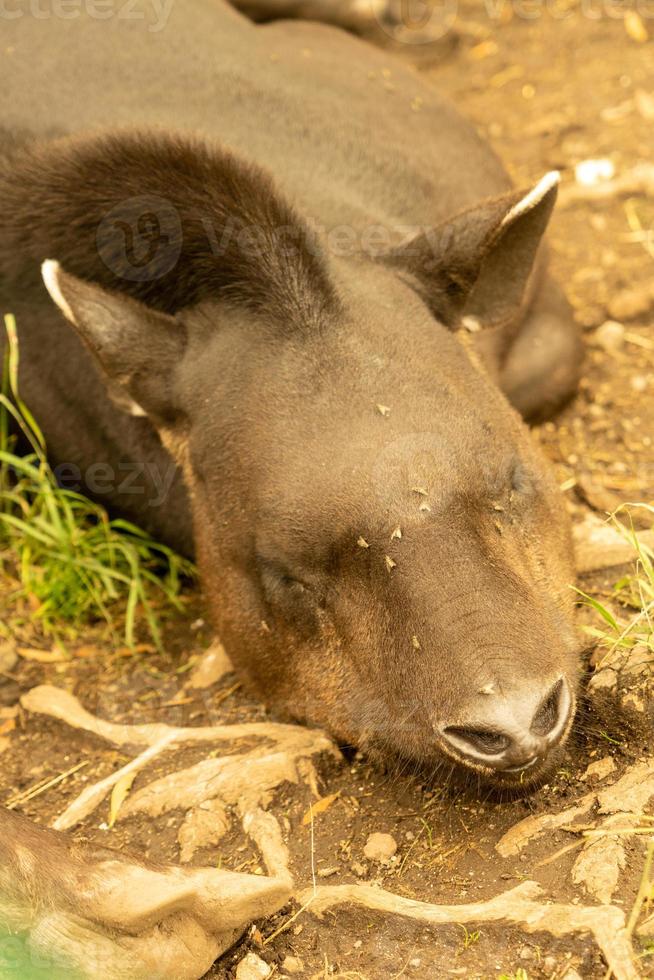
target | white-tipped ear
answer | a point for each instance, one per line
(136, 348)
(478, 264)
(50, 271)
(533, 197)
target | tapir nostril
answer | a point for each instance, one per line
(482, 740)
(512, 734)
(549, 713)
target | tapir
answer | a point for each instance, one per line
(280, 304)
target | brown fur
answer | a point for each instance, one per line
(264, 369)
(47, 190)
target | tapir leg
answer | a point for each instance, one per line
(370, 18)
(88, 911)
(542, 368)
(353, 15)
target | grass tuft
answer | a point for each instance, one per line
(634, 592)
(72, 561)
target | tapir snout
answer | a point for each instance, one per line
(510, 734)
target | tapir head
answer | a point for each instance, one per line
(383, 547)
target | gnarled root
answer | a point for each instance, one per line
(519, 906)
(247, 779)
(94, 912)
(618, 810)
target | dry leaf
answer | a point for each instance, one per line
(4, 744)
(7, 726)
(319, 807)
(54, 656)
(634, 26)
(177, 701)
(210, 668)
(483, 50)
(119, 795)
(87, 651)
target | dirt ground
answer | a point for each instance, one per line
(548, 91)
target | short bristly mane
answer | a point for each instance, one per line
(221, 226)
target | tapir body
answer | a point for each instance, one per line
(383, 547)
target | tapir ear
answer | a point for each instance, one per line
(479, 262)
(136, 348)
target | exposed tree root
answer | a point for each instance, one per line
(598, 545)
(622, 689)
(126, 910)
(100, 913)
(93, 796)
(205, 790)
(618, 808)
(92, 912)
(52, 701)
(519, 906)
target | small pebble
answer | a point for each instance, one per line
(610, 336)
(8, 657)
(590, 172)
(631, 303)
(293, 964)
(252, 967)
(380, 847)
(600, 769)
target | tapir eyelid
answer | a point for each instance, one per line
(520, 479)
(274, 573)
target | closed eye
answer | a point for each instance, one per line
(278, 581)
(274, 574)
(521, 481)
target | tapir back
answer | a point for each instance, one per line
(351, 135)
